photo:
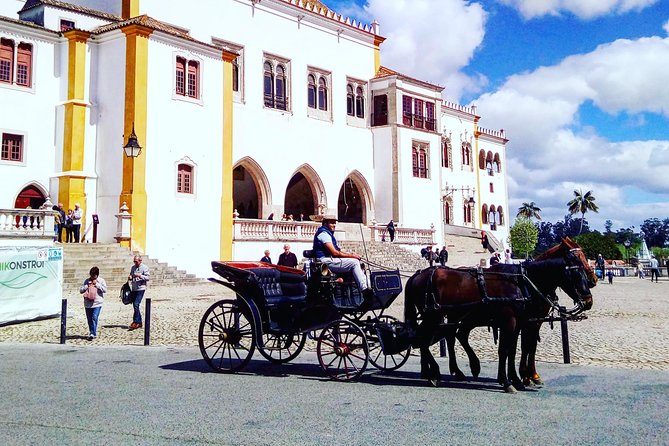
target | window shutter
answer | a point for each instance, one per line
(24, 64)
(181, 76)
(6, 60)
(193, 79)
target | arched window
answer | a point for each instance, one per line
(484, 214)
(311, 91)
(500, 215)
(359, 103)
(235, 75)
(488, 163)
(492, 217)
(414, 161)
(467, 211)
(24, 63)
(280, 90)
(185, 179)
(481, 159)
(350, 100)
(419, 156)
(466, 154)
(268, 85)
(322, 94)
(448, 212)
(193, 79)
(497, 164)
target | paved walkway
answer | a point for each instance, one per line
(628, 326)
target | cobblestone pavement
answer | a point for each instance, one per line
(627, 327)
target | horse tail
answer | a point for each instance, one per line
(410, 310)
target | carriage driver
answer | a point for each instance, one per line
(329, 253)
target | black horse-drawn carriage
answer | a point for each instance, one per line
(277, 308)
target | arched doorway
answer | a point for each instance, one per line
(245, 193)
(299, 197)
(350, 206)
(31, 196)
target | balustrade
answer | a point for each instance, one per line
(26, 223)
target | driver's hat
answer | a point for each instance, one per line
(329, 217)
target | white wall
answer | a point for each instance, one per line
(31, 112)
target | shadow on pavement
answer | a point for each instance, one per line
(371, 376)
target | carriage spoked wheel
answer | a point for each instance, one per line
(378, 359)
(282, 348)
(226, 336)
(342, 350)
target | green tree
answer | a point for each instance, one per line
(594, 243)
(582, 203)
(529, 210)
(524, 235)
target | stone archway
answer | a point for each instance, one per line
(304, 193)
(354, 202)
(31, 196)
(250, 190)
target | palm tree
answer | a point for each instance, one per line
(529, 210)
(581, 204)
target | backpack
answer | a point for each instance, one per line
(125, 294)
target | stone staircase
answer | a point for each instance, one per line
(462, 251)
(114, 262)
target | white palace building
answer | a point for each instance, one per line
(242, 109)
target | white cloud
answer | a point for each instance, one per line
(540, 112)
(584, 9)
(442, 39)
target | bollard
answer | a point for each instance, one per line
(63, 319)
(565, 336)
(147, 321)
(442, 347)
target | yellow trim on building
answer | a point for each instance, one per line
(130, 8)
(72, 187)
(133, 191)
(377, 52)
(226, 167)
(478, 204)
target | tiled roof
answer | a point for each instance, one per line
(30, 4)
(387, 72)
(28, 24)
(151, 23)
(319, 8)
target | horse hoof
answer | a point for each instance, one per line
(527, 382)
(510, 389)
(459, 376)
(537, 381)
(519, 385)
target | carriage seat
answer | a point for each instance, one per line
(280, 287)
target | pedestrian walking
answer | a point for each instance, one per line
(443, 256)
(654, 269)
(507, 256)
(93, 290)
(138, 278)
(76, 223)
(391, 230)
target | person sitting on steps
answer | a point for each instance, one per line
(327, 251)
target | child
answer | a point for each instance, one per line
(609, 274)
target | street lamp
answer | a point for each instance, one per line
(627, 245)
(132, 149)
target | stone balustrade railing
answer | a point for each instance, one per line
(251, 229)
(407, 236)
(37, 223)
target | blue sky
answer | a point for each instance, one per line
(580, 86)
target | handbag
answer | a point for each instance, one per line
(125, 294)
(91, 293)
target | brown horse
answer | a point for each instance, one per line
(498, 297)
(535, 311)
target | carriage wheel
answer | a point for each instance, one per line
(342, 350)
(227, 336)
(376, 357)
(281, 348)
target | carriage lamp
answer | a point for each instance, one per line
(627, 245)
(132, 149)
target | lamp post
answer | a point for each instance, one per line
(627, 244)
(132, 148)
